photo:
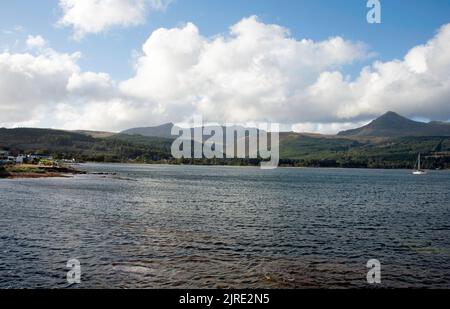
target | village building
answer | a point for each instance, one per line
(20, 159)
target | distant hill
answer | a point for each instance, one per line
(393, 125)
(385, 143)
(83, 146)
(39, 139)
(163, 131)
(387, 126)
(394, 152)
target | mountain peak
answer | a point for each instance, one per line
(392, 124)
(391, 114)
(392, 119)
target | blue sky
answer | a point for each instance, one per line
(333, 70)
(404, 24)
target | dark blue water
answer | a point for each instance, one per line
(207, 227)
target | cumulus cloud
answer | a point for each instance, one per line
(247, 75)
(326, 128)
(418, 85)
(96, 16)
(28, 82)
(91, 85)
(259, 72)
(256, 72)
(34, 87)
(111, 114)
(35, 42)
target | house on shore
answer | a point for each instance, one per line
(7, 158)
(39, 157)
(20, 159)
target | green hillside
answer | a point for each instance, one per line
(63, 144)
(398, 152)
(295, 149)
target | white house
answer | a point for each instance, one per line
(39, 157)
(20, 159)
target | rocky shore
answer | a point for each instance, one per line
(37, 171)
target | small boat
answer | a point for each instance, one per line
(419, 171)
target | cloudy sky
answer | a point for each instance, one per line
(318, 65)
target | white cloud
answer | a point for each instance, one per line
(251, 74)
(91, 85)
(326, 128)
(257, 72)
(97, 114)
(417, 86)
(35, 42)
(27, 82)
(96, 16)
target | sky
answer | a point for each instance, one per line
(315, 64)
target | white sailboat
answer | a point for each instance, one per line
(419, 171)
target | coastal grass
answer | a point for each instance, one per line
(36, 171)
(25, 169)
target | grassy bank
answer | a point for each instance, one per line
(35, 171)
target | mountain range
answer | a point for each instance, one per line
(390, 141)
(164, 131)
(388, 125)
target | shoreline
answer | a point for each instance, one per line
(29, 171)
(257, 166)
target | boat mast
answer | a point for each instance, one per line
(419, 162)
